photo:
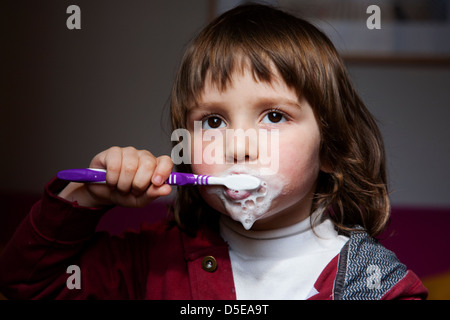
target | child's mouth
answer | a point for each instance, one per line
(247, 206)
(237, 194)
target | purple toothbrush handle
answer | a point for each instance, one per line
(181, 179)
(82, 175)
(99, 175)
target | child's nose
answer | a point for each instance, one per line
(242, 146)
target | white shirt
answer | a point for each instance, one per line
(281, 263)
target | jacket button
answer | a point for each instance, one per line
(209, 264)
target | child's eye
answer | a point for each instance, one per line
(213, 122)
(274, 117)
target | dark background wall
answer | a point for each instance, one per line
(69, 94)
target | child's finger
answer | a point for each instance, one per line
(130, 162)
(158, 191)
(164, 166)
(139, 201)
(111, 160)
(143, 176)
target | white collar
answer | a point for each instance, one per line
(294, 240)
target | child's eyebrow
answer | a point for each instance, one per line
(199, 108)
(258, 101)
(204, 106)
(279, 101)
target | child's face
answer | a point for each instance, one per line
(261, 109)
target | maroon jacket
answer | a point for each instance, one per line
(161, 262)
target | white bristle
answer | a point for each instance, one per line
(237, 181)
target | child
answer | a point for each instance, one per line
(305, 233)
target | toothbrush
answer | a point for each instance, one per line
(234, 182)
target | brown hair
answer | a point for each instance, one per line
(355, 190)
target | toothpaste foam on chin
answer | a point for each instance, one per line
(257, 204)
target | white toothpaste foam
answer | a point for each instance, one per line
(255, 205)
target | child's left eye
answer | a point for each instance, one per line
(274, 117)
(213, 122)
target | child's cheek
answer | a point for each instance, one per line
(207, 158)
(288, 157)
(299, 162)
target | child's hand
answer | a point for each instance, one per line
(133, 179)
